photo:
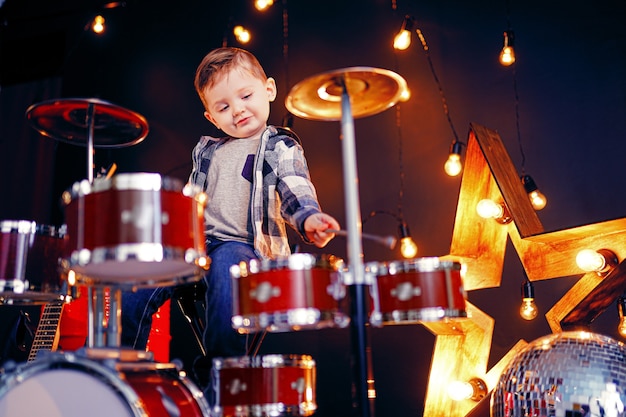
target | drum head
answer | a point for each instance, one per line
(63, 393)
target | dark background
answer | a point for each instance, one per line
(569, 101)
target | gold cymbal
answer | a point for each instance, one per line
(371, 91)
(65, 120)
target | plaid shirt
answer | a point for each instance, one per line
(282, 190)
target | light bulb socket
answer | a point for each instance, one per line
(621, 306)
(509, 38)
(610, 262)
(529, 184)
(456, 147)
(403, 230)
(479, 389)
(409, 22)
(528, 290)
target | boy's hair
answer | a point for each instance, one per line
(220, 61)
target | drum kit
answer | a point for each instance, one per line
(142, 230)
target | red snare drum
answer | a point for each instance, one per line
(67, 385)
(137, 229)
(423, 289)
(297, 292)
(29, 262)
(260, 386)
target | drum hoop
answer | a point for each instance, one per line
(265, 361)
(133, 181)
(103, 373)
(145, 252)
(111, 378)
(18, 226)
(293, 262)
(428, 264)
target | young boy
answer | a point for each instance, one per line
(257, 180)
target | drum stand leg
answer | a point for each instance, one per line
(105, 317)
(356, 270)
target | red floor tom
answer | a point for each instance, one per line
(298, 292)
(29, 262)
(135, 229)
(263, 386)
(422, 289)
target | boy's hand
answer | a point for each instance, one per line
(315, 227)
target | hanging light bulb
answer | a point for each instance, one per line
(537, 199)
(601, 261)
(621, 309)
(242, 34)
(403, 39)
(507, 55)
(453, 165)
(408, 248)
(475, 389)
(262, 5)
(97, 26)
(528, 310)
(489, 209)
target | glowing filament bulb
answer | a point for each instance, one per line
(408, 248)
(528, 309)
(489, 209)
(262, 5)
(590, 261)
(402, 40)
(242, 34)
(507, 56)
(453, 165)
(98, 24)
(537, 199)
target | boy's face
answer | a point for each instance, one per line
(239, 103)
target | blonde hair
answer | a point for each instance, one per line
(220, 61)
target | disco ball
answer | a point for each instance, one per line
(568, 374)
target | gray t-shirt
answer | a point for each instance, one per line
(227, 214)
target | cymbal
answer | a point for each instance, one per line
(65, 120)
(371, 91)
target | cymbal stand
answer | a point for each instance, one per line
(355, 277)
(91, 110)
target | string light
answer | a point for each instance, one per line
(262, 5)
(97, 25)
(621, 309)
(489, 209)
(401, 42)
(453, 165)
(528, 309)
(507, 55)
(408, 247)
(475, 389)
(242, 34)
(537, 199)
(601, 261)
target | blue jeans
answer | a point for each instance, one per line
(219, 338)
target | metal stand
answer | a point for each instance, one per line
(356, 268)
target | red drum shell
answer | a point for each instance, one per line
(136, 229)
(423, 289)
(270, 385)
(298, 292)
(65, 385)
(29, 262)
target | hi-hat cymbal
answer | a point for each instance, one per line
(371, 91)
(66, 120)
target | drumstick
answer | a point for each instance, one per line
(389, 241)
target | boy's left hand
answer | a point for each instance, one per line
(315, 227)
